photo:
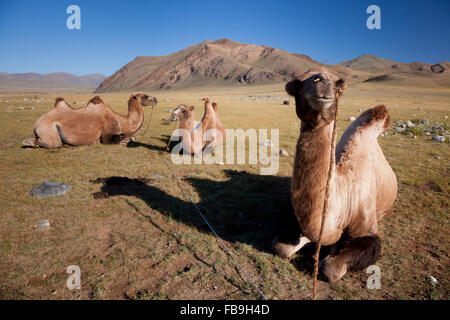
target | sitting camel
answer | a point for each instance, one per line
(85, 126)
(362, 186)
(195, 137)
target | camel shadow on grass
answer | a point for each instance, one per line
(246, 208)
(165, 139)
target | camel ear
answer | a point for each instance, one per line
(340, 86)
(293, 87)
(191, 108)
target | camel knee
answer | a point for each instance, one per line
(286, 249)
(355, 254)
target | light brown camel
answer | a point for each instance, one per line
(85, 126)
(195, 137)
(362, 186)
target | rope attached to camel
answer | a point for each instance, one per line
(325, 205)
(148, 124)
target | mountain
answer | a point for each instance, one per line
(225, 62)
(59, 80)
(406, 73)
(209, 63)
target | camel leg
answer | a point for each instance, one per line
(354, 254)
(289, 241)
(48, 138)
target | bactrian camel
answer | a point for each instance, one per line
(90, 124)
(362, 186)
(195, 137)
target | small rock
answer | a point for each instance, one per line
(48, 189)
(156, 177)
(438, 138)
(170, 244)
(351, 119)
(427, 133)
(403, 125)
(43, 225)
(445, 117)
(433, 280)
(414, 137)
(359, 110)
(409, 124)
(284, 153)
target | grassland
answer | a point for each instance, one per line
(146, 241)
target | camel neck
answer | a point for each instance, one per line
(135, 112)
(310, 173)
(189, 123)
(209, 111)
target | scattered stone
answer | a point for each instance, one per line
(169, 110)
(100, 195)
(409, 124)
(48, 189)
(414, 137)
(156, 177)
(170, 244)
(351, 119)
(427, 133)
(359, 110)
(438, 138)
(284, 153)
(43, 225)
(424, 122)
(445, 117)
(286, 102)
(433, 280)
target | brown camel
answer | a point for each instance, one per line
(85, 126)
(208, 133)
(362, 186)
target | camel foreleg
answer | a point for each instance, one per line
(353, 255)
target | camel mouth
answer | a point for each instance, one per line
(320, 102)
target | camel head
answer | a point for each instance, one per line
(182, 112)
(316, 93)
(144, 99)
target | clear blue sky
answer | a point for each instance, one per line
(34, 37)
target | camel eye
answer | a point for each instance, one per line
(317, 79)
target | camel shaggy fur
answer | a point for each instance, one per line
(208, 133)
(85, 126)
(362, 186)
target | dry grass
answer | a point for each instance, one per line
(146, 241)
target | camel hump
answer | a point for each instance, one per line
(58, 100)
(377, 114)
(96, 100)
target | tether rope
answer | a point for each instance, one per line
(148, 124)
(325, 206)
(212, 229)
